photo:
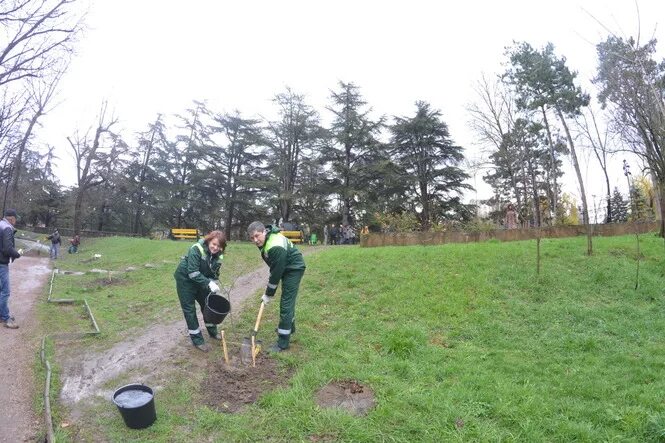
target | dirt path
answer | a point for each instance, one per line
(85, 375)
(18, 348)
(83, 378)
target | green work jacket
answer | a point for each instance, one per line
(281, 256)
(199, 265)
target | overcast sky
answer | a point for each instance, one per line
(156, 56)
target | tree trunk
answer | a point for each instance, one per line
(139, 197)
(553, 169)
(608, 218)
(661, 204)
(77, 211)
(102, 213)
(536, 200)
(424, 201)
(576, 165)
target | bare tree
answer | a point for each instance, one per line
(37, 32)
(590, 131)
(41, 93)
(493, 119)
(89, 160)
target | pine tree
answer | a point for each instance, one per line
(619, 207)
(640, 209)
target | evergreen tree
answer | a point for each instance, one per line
(619, 207)
(354, 144)
(639, 209)
(422, 146)
(292, 138)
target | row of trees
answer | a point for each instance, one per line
(534, 114)
(221, 170)
(211, 169)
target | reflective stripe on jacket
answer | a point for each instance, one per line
(280, 255)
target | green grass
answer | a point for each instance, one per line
(133, 299)
(458, 342)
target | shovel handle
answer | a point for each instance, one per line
(258, 318)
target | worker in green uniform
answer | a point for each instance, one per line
(195, 278)
(286, 265)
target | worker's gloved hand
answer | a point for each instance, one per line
(266, 299)
(20, 252)
(214, 287)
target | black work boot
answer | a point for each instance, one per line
(275, 349)
(205, 347)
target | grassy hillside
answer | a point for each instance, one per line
(458, 342)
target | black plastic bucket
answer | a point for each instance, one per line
(216, 309)
(136, 404)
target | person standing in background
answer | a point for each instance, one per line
(8, 253)
(56, 240)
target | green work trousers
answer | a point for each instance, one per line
(287, 306)
(189, 293)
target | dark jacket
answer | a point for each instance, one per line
(8, 250)
(55, 238)
(199, 266)
(281, 256)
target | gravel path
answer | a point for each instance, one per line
(18, 348)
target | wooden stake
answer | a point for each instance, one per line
(226, 354)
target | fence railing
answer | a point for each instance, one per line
(66, 232)
(437, 238)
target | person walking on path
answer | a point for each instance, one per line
(8, 253)
(195, 278)
(55, 244)
(286, 265)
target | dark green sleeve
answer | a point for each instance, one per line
(277, 258)
(194, 267)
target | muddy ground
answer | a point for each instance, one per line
(19, 348)
(85, 376)
(231, 388)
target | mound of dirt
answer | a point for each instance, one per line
(230, 389)
(346, 394)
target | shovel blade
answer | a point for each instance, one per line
(246, 351)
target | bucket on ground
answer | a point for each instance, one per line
(136, 404)
(216, 309)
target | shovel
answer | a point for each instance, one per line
(249, 346)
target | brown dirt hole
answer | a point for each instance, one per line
(346, 394)
(231, 388)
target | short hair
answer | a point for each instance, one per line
(256, 226)
(219, 235)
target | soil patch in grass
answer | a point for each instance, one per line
(231, 388)
(346, 394)
(104, 282)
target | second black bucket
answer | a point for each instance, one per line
(217, 308)
(136, 404)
